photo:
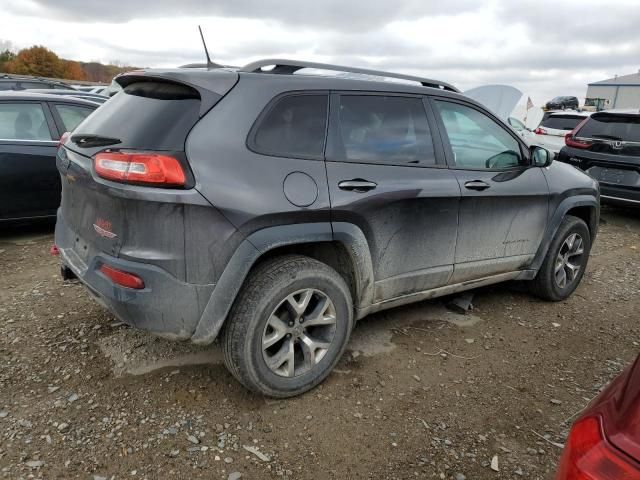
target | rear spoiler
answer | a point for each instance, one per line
(211, 85)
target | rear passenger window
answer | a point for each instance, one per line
(294, 127)
(23, 121)
(382, 129)
(72, 115)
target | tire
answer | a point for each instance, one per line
(268, 304)
(548, 282)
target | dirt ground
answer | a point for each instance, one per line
(422, 392)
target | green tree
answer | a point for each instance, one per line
(6, 56)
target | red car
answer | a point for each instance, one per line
(604, 444)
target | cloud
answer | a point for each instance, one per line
(544, 47)
(331, 14)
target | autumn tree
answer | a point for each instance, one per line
(73, 70)
(38, 61)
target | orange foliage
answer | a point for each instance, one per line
(42, 62)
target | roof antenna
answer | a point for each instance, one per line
(210, 64)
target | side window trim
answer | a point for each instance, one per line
(447, 146)
(251, 137)
(334, 140)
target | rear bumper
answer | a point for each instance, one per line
(166, 306)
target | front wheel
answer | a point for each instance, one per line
(288, 327)
(566, 261)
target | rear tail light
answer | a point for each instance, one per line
(570, 139)
(588, 456)
(540, 131)
(140, 167)
(63, 138)
(122, 278)
(54, 250)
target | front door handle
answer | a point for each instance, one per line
(476, 185)
(357, 185)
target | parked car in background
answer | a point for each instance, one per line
(93, 97)
(562, 103)
(97, 89)
(607, 146)
(604, 443)
(274, 209)
(15, 82)
(553, 128)
(30, 128)
(521, 129)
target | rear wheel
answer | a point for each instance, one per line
(566, 261)
(288, 327)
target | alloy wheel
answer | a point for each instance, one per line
(299, 332)
(569, 260)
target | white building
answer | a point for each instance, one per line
(620, 92)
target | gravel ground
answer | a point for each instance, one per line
(422, 392)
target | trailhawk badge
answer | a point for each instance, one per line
(103, 228)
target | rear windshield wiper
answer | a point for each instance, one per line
(89, 140)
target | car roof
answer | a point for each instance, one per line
(202, 77)
(29, 95)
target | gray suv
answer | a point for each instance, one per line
(272, 209)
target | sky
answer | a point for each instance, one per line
(545, 48)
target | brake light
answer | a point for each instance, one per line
(122, 278)
(63, 138)
(570, 139)
(540, 131)
(140, 167)
(588, 456)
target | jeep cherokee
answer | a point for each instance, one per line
(273, 208)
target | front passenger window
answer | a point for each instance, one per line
(477, 141)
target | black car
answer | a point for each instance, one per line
(30, 129)
(562, 103)
(94, 97)
(607, 147)
(275, 208)
(14, 82)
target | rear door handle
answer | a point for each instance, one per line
(357, 185)
(476, 185)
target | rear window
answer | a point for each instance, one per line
(562, 122)
(294, 127)
(612, 127)
(147, 115)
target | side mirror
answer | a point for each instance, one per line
(540, 157)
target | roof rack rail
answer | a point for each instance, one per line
(288, 67)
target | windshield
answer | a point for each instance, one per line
(562, 122)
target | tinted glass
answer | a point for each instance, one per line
(32, 85)
(477, 140)
(7, 85)
(612, 127)
(23, 121)
(383, 129)
(562, 122)
(72, 115)
(146, 115)
(294, 127)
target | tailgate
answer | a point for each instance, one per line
(129, 224)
